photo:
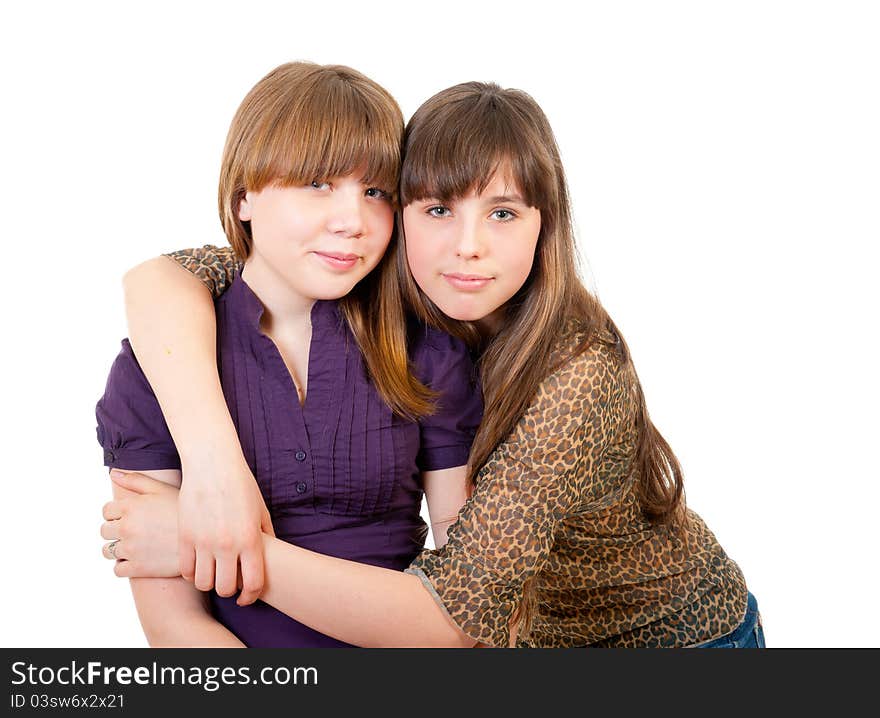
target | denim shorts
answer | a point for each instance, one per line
(749, 633)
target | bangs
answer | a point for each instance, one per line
(329, 130)
(456, 146)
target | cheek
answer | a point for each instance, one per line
(529, 244)
(523, 262)
(383, 225)
(520, 258)
(417, 255)
(283, 226)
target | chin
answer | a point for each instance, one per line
(331, 295)
(460, 313)
(324, 291)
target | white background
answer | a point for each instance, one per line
(724, 162)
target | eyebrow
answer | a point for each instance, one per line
(497, 199)
(501, 199)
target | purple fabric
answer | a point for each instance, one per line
(339, 475)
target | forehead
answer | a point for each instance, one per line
(501, 184)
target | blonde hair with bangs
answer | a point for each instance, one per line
(304, 122)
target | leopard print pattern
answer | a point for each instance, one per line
(554, 521)
(216, 267)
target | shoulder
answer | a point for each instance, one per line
(213, 266)
(578, 407)
(433, 351)
(423, 337)
(444, 364)
(126, 364)
(128, 398)
(130, 423)
(586, 365)
(206, 255)
(126, 380)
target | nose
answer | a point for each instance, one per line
(346, 217)
(470, 242)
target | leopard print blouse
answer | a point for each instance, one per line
(554, 523)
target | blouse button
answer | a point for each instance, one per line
(300, 456)
(301, 488)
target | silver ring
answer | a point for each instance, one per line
(111, 549)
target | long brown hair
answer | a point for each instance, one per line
(454, 144)
(305, 122)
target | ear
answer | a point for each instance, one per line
(244, 207)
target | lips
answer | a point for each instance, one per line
(467, 282)
(338, 260)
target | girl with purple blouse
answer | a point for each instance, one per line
(576, 532)
(344, 410)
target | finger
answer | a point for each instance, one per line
(266, 524)
(124, 569)
(187, 561)
(226, 570)
(252, 577)
(133, 481)
(204, 576)
(110, 530)
(116, 554)
(112, 510)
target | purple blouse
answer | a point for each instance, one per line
(340, 475)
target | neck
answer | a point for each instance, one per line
(491, 324)
(284, 311)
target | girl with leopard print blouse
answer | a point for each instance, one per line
(576, 532)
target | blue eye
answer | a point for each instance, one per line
(439, 211)
(504, 215)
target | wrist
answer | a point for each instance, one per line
(212, 458)
(202, 429)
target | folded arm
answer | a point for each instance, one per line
(353, 602)
(172, 612)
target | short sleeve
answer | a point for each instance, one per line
(214, 266)
(506, 530)
(131, 427)
(443, 364)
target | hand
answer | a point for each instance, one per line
(144, 528)
(221, 521)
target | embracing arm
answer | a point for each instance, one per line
(172, 612)
(356, 603)
(360, 604)
(468, 590)
(371, 606)
(173, 332)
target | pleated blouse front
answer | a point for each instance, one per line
(340, 474)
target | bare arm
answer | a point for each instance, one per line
(360, 604)
(445, 491)
(172, 612)
(469, 590)
(173, 333)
